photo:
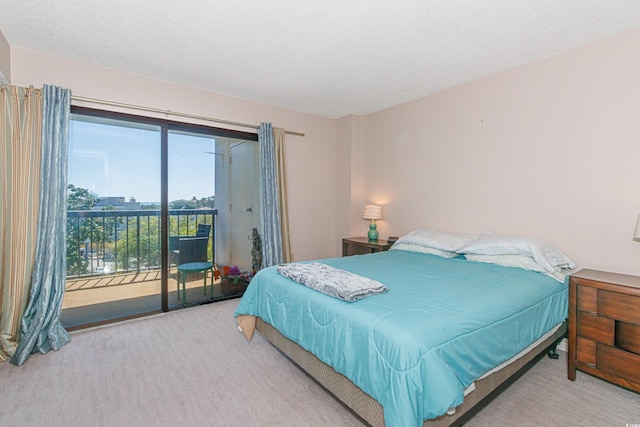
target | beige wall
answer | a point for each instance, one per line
(5, 59)
(310, 159)
(548, 150)
(349, 178)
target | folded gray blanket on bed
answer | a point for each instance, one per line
(332, 281)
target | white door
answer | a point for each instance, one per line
(244, 211)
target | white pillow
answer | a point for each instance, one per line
(436, 239)
(517, 261)
(422, 249)
(547, 256)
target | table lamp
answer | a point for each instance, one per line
(372, 212)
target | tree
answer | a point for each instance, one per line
(149, 235)
(77, 228)
(147, 241)
(79, 199)
(207, 202)
(184, 204)
(194, 203)
(81, 229)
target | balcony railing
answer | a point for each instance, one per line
(118, 241)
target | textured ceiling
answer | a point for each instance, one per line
(326, 57)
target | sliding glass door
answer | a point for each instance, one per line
(148, 198)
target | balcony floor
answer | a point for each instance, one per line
(102, 298)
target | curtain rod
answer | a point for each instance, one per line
(173, 113)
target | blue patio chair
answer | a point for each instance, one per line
(203, 230)
(192, 258)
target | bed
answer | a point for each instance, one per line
(451, 327)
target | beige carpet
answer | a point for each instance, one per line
(192, 368)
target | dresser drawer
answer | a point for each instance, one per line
(586, 351)
(596, 328)
(618, 362)
(587, 299)
(619, 306)
(628, 337)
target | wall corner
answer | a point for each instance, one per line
(5, 59)
(349, 177)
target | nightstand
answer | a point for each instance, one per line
(604, 327)
(362, 245)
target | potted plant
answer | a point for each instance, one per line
(232, 279)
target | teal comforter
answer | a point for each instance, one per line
(415, 349)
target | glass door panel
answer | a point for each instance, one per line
(113, 220)
(191, 218)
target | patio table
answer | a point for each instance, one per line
(193, 267)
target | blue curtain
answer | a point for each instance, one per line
(269, 198)
(41, 327)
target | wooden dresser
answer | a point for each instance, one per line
(604, 327)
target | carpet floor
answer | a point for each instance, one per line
(193, 368)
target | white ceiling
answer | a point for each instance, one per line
(326, 57)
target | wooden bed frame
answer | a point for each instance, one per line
(371, 411)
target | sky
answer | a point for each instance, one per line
(118, 161)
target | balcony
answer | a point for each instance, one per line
(114, 266)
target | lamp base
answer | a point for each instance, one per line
(373, 233)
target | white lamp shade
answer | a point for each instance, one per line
(636, 235)
(372, 212)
